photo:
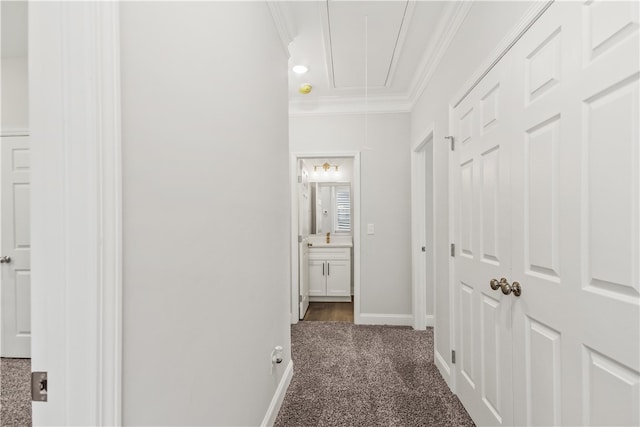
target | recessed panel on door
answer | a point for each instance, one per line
(543, 67)
(490, 183)
(611, 120)
(607, 23)
(610, 393)
(541, 200)
(543, 374)
(466, 214)
(467, 321)
(491, 358)
(489, 108)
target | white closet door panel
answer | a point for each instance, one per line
(576, 202)
(482, 223)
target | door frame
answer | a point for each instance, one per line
(295, 268)
(74, 120)
(421, 320)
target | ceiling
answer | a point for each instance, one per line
(363, 55)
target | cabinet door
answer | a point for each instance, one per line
(338, 278)
(317, 278)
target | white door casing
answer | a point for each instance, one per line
(295, 261)
(74, 119)
(423, 249)
(566, 110)
(16, 246)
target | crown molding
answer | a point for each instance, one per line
(352, 105)
(282, 24)
(448, 27)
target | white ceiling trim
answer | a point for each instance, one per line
(351, 105)
(282, 25)
(452, 19)
(406, 22)
(323, 8)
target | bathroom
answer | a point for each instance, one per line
(325, 254)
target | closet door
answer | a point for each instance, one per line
(576, 228)
(483, 251)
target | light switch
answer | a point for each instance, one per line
(371, 229)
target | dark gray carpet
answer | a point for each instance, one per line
(352, 375)
(15, 394)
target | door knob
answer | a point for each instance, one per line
(5, 259)
(507, 289)
(495, 285)
(517, 289)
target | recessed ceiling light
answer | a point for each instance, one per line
(300, 69)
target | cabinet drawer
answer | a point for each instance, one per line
(330, 253)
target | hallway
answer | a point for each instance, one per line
(354, 375)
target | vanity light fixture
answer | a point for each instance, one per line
(326, 166)
(300, 69)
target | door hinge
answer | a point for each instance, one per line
(453, 142)
(453, 249)
(299, 179)
(453, 357)
(299, 238)
(39, 386)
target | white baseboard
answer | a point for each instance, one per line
(385, 319)
(278, 396)
(430, 320)
(443, 367)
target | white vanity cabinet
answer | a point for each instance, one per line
(330, 273)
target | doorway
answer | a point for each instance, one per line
(325, 244)
(423, 236)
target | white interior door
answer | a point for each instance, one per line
(304, 226)
(482, 225)
(16, 247)
(575, 206)
(555, 125)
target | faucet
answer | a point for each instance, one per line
(328, 237)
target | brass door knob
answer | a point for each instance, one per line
(495, 285)
(517, 289)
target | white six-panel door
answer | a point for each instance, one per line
(16, 247)
(576, 218)
(483, 252)
(547, 194)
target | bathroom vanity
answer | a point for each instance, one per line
(330, 271)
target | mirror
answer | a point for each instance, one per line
(332, 211)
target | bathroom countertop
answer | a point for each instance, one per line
(330, 245)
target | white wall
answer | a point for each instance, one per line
(15, 95)
(13, 66)
(385, 198)
(206, 225)
(479, 35)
